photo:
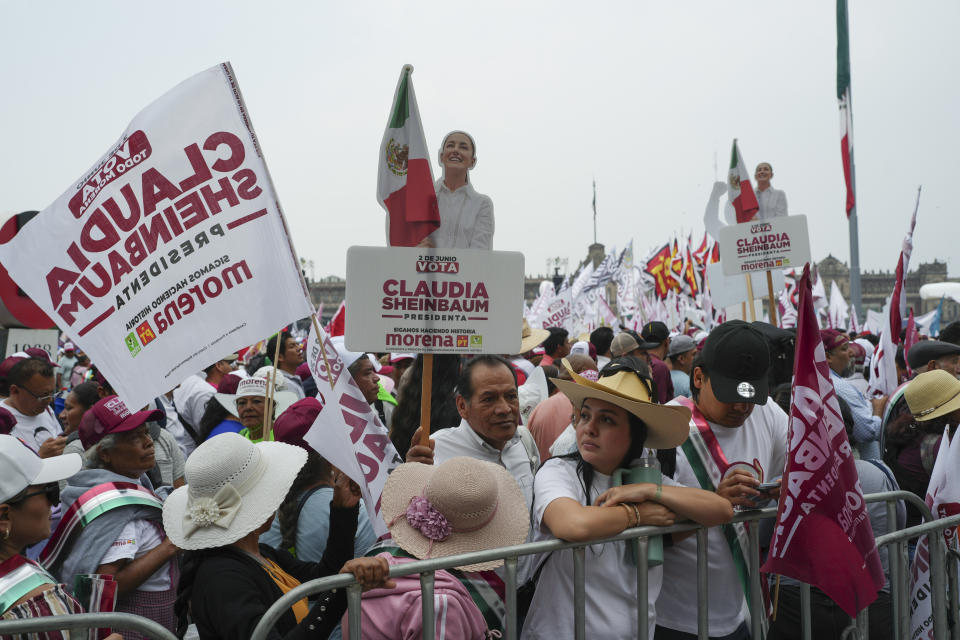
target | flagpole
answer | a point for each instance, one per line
(843, 53)
(594, 211)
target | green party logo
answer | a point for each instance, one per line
(476, 342)
(133, 344)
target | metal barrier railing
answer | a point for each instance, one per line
(857, 630)
(84, 621)
(946, 604)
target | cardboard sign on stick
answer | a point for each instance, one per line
(732, 290)
(434, 300)
(171, 251)
(778, 243)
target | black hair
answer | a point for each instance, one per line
(465, 382)
(558, 336)
(443, 407)
(315, 471)
(86, 393)
(698, 363)
(213, 414)
(638, 428)
(781, 395)
(951, 333)
(550, 371)
(255, 362)
(355, 365)
(272, 344)
(27, 368)
(872, 339)
(602, 337)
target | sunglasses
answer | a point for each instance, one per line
(619, 367)
(51, 491)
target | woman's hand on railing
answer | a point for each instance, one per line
(346, 492)
(371, 573)
(655, 514)
(640, 492)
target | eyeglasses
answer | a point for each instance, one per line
(51, 491)
(47, 398)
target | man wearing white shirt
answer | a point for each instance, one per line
(773, 202)
(191, 397)
(32, 389)
(488, 403)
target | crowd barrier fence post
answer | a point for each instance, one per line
(510, 566)
(643, 589)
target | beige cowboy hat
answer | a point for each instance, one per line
(530, 338)
(667, 425)
(932, 394)
(459, 506)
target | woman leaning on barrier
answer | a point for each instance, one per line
(28, 488)
(575, 500)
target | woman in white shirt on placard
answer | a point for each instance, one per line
(466, 217)
(574, 500)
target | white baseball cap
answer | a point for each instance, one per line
(20, 467)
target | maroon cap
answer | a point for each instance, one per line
(293, 424)
(833, 339)
(858, 353)
(37, 352)
(228, 384)
(303, 371)
(7, 365)
(110, 415)
(6, 421)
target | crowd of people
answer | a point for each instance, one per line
(204, 512)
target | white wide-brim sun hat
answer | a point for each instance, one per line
(233, 487)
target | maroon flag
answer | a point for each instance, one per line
(910, 338)
(822, 535)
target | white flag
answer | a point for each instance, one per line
(171, 251)
(348, 432)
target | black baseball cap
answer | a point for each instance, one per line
(737, 358)
(655, 333)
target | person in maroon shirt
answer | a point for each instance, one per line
(657, 335)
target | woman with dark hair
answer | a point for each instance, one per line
(575, 499)
(443, 407)
(78, 402)
(216, 418)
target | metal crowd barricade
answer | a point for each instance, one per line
(899, 573)
(943, 575)
(83, 621)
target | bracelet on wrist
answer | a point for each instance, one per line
(630, 512)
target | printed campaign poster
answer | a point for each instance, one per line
(434, 300)
(778, 243)
(171, 251)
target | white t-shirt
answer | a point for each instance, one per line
(137, 538)
(191, 398)
(34, 430)
(611, 578)
(761, 440)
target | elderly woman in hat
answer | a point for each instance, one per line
(111, 515)
(575, 499)
(249, 404)
(28, 489)
(459, 506)
(229, 580)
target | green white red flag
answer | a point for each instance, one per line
(404, 178)
(843, 95)
(739, 190)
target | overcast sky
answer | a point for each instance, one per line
(644, 97)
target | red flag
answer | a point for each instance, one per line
(822, 535)
(658, 265)
(338, 323)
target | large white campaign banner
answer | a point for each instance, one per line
(348, 432)
(171, 250)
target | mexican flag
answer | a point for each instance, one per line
(739, 191)
(843, 95)
(404, 178)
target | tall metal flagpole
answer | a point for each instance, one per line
(843, 78)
